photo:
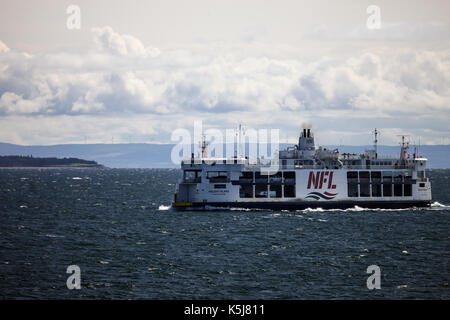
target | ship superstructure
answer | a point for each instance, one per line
(305, 176)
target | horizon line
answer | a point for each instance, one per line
(165, 143)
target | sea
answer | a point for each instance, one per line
(116, 229)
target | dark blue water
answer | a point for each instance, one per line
(114, 225)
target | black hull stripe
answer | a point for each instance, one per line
(302, 205)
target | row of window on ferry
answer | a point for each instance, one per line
(378, 184)
(376, 175)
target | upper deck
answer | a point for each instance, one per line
(305, 155)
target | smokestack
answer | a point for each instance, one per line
(309, 133)
(304, 133)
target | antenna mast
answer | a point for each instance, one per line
(240, 142)
(404, 147)
(241, 129)
(204, 146)
(375, 143)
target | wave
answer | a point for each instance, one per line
(434, 205)
(216, 208)
(211, 208)
(53, 236)
(360, 209)
(319, 209)
(312, 210)
(438, 205)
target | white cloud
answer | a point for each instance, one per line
(12, 103)
(224, 84)
(110, 41)
(3, 47)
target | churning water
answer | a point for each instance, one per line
(117, 226)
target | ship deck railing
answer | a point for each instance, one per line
(319, 167)
(272, 165)
(211, 161)
(192, 180)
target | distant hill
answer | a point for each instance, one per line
(35, 162)
(143, 155)
(111, 155)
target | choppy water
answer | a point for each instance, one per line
(116, 226)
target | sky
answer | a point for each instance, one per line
(136, 71)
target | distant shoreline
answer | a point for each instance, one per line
(59, 167)
(30, 162)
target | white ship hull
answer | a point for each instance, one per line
(324, 193)
(364, 182)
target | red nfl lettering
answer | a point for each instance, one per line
(321, 178)
(313, 179)
(330, 182)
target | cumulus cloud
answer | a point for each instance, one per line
(3, 47)
(13, 103)
(123, 79)
(110, 41)
(384, 82)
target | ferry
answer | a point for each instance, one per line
(305, 176)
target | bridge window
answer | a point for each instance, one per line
(246, 191)
(289, 191)
(397, 190)
(376, 190)
(247, 176)
(408, 190)
(301, 163)
(364, 187)
(364, 190)
(275, 191)
(289, 175)
(387, 190)
(375, 176)
(352, 189)
(217, 176)
(398, 178)
(261, 191)
(352, 183)
(192, 176)
(260, 178)
(220, 186)
(289, 183)
(275, 178)
(364, 176)
(352, 176)
(387, 183)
